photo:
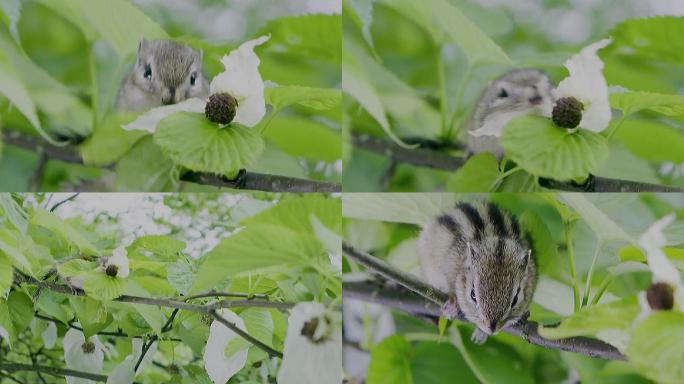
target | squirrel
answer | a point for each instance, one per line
(518, 92)
(478, 254)
(164, 73)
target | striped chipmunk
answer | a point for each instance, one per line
(479, 255)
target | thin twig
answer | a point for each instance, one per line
(439, 160)
(37, 175)
(60, 203)
(226, 294)
(145, 348)
(271, 352)
(250, 180)
(101, 333)
(412, 303)
(54, 371)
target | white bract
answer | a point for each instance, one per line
(119, 259)
(241, 79)
(220, 367)
(76, 358)
(313, 347)
(653, 241)
(587, 84)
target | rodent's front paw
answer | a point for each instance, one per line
(478, 337)
(450, 309)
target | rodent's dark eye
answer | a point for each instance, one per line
(503, 94)
(193, 78)
(472, 295)
(148, 72)
(515, 299)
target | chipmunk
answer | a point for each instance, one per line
(479, 255)
(165, 72)
(518, 92)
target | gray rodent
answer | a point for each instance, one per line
(479, 255)
(518, 92)
(165, 72)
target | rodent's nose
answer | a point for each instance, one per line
(167, 100)
(492, 326)
(536, 99)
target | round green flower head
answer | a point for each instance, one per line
(221, 108)
(567, 112)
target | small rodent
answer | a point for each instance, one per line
(518, 92)
(479, 255)
(164, 73)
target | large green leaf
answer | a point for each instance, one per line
(194, 142)
(545, 248)
(590, 321)
(650, 38)
(159, 247)
(153, 315)
(652, 140)
(605, 228)
(478, 174)
(91, 313)
(6, 275)
(15, 91)
(631, 102)
(305, 138)
(145, 169)
(395, 360)
(52, 222)
(295, 212)
(657, 347)
(6, 325)
(22, 251)
(543, 149)
(102, 287)
(21, 310)
(396, 207)
(14, 213)
(109, 142)
(118, 22)
(317, 36)
(315, 98)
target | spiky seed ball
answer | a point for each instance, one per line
(88, 347)
(221, 108)
(112, 270)
(567, 113)
(660, 296)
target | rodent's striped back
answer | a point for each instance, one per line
(478, 220)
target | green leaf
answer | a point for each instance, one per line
(652, 140)
(315, 98)
(145, 169)
(650, 38)
(76, 267)
(296, 135)
(545, 248)
(478, 174)
(295, 212)
(50, 303)
(102, 287)
(624, 164)
(589, 321)
(180, 276)
(109, 142)
(6, 323)
(396, 361)
(14, 213)
(631, 102)
(15, 91)
(161, 247)
(316, 36)
(396, 207)
(92, 315)
(14, 246)
(605, 228)
(634, 253)
(234, 346)
(152, 315)
(21, 311)
(259, 324)
(6, 275)
(545, 150)
(194, 142)
(657, 347)
(52, 222)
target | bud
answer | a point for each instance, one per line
(567, 113)
(112, 270)
(88, 347)
(221, 108)
(660, 296)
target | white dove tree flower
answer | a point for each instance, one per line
(666, 277)
(313, 347)
(582, 97)
(117, 264)
(219, 365)
(240, 79)
(82, 355)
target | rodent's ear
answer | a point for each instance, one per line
(525, 258)
(142, 46)
(200, 55)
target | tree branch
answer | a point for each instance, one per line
(438, 160)
(250, 180)
(414, 304)
(54, 371)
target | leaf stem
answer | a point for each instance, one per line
(614, 128)
(602, 288)
(442, 90)
(269, 119)
(587, 287)
(92, 67)
(571, 258)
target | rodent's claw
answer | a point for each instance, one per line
(450, 309)
(478, 337)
